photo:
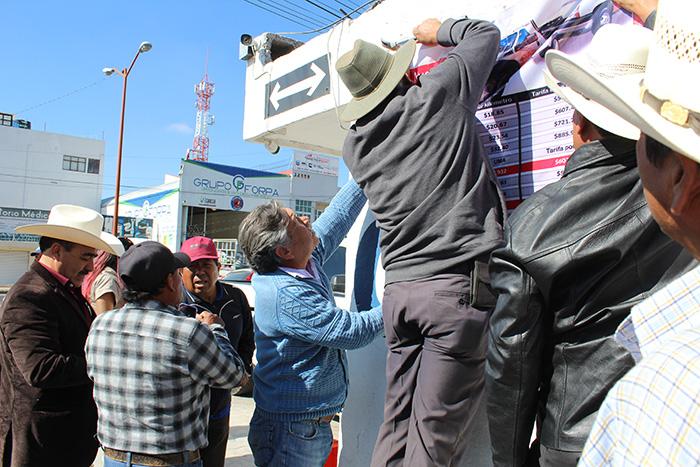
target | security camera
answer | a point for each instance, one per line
(246, 39)
(273, 147)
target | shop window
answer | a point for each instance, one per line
(303, 207)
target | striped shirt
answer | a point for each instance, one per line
(152, 369)
(652, 415)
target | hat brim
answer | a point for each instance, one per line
(594, 112)
(623, 98)
(182, 260)
(359, 107)
(104, 241)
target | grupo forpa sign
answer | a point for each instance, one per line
(205, 184)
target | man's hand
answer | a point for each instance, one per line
(244, 380)
(209, 318)
(426, 32)
(641, 8)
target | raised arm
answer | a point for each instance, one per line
(469, 63)
(311, 318)
(338, 218)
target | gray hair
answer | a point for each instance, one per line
(264, 229)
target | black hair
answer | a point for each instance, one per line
(45, 243)
(656, 152)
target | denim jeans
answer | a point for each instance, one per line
(112, 463)
(304, 443)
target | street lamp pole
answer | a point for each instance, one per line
(143, 48)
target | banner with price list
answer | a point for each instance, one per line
(526, 128)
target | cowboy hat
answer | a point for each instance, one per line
(665, 104)
(610, 64)
(78, 225)
(371, 73)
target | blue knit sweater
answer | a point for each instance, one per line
(301, 335)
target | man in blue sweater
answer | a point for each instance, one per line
(301, 380)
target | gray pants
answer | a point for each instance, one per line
(435, 371)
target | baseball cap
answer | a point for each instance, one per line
(145, 266)
(199, 248)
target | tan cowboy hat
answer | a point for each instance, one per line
(78, 225)
(371, 73)
(616, 52)
(665, 104)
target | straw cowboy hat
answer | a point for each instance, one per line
(610, 63)
(370, 73)
(78, 225)
(665, 104)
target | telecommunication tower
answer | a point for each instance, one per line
(200, 146)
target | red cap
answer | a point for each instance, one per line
(199, 248)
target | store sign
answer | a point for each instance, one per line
(10, 218)
(232, 188)
(311, 163)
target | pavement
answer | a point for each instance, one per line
(237, 451)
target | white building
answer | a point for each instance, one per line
(37, 171)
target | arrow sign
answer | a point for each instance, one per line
(302, 85)
(310, 83)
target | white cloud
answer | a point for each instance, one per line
(180, 128)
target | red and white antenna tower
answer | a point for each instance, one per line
(200, 146)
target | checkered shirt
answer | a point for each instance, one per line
(652, 415)
(152, 369)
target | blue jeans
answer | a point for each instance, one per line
(112, 463)
(305, 443)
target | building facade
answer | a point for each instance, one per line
(37, 171)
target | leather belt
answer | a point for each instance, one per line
(326, 419)
(157, 460)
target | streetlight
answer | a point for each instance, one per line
(143, 48)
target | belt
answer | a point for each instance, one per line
(158, 460)
(326, 419)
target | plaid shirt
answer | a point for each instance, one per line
(152, 369)
(652, 415)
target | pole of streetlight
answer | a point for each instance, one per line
(115, 223)
(144, 47)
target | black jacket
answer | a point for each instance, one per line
(232, 305)
(579, 254)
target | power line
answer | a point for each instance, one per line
(291, 12)
(318, 15)
(70, 93)
(323, 8)
(276, 13)
(314, 31)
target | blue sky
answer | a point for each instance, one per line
(52, 48)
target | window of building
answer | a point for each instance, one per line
(303, 207)
(93, 166)
(74, 163)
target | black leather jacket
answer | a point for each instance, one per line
(579, 254)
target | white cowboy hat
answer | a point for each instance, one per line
(78, 225)
(616, 52)
(665, 104)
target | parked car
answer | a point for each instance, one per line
(240, 278)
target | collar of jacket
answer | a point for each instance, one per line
(607, 151)
(73, 298)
